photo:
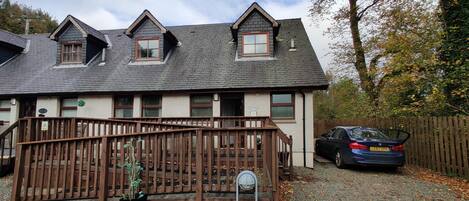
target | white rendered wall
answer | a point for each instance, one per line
(96, 107)
(52, 104)
(176, 106)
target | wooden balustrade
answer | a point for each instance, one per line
(45, 128)
(212, 122)
(176, 161)
(7, 151)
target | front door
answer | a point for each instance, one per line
(27, 107)
(232, 104)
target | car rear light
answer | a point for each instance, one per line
(355, 145)
(398, 147)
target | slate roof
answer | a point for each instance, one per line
(12, 39)
(204, 61)
(90, 30)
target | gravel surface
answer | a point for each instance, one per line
(5, 187)
(326, 182)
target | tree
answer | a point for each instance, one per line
(454, 54)
(343, 99)
(13, 18)
(367, 35)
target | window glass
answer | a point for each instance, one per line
(148, 49)
(123, 106)
(281, 98)
(255, 43)
(368, 133)
(71, 53)
(151, 106)
(249, 39)
(5, 104)
(69, 107)
(282, 106)
(282, 112)
(5, 110)
(124, 113)
(201, 106)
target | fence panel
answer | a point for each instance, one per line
(437, 143)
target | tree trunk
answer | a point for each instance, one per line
(366, 81)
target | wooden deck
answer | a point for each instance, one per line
(78, 158)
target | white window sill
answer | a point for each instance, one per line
(78, 65)
(284, 121)
(145, 63)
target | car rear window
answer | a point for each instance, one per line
(372, 134)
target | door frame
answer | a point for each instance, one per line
(233, 96)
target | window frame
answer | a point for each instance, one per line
(292, 104)
(79, 54)
(255, 44)
(143, 106)
(62, 107)
(139, 57)
(6, 109)
(201, 105)
(117, 106)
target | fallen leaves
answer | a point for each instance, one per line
(458, 185)
(286, 191)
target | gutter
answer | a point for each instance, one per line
(304, 128)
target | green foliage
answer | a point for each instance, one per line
(454, 55)
(13, 18)
(343, 99)
(134, 169)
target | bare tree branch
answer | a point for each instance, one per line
(362, 12)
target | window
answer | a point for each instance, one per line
(68, 107)
(123, 106)
(283, 106)
(201, 106)
(148, 49)
(71, 53)
(255, 44)
(151, 106)
(5, 110)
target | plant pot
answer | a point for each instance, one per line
(143, 198)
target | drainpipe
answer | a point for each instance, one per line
(304, 128)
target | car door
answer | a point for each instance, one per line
(322, 144)
(329, 145)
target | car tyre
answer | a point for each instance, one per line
(339, 160)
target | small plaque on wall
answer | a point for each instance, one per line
(44, 125)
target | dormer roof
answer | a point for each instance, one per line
(12, 39)
(85, 29)
(254, 7)
(145, 15)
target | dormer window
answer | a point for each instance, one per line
(148, 49)
(255, 44)
(71, 52)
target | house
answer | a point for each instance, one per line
(255, 66)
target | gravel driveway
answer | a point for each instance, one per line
(326, 182)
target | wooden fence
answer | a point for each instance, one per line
(437, 143)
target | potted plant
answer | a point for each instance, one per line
(134, 169)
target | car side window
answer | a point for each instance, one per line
(336, 133)
(343, 134)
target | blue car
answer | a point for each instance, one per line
(354, 145)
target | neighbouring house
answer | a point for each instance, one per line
(255, 66)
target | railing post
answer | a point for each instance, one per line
(275, 166)
(29, 131)
(199, 165)
(291, 155)
(18, 175)
(73, 128)
(103, 181)
(212, 122)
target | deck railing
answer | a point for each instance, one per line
(82, 158)
(211, 122)
(181, 161)
(7, 151)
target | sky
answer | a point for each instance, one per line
(118, 14)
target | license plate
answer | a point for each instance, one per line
(382, 149)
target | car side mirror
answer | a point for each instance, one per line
(325, 135)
